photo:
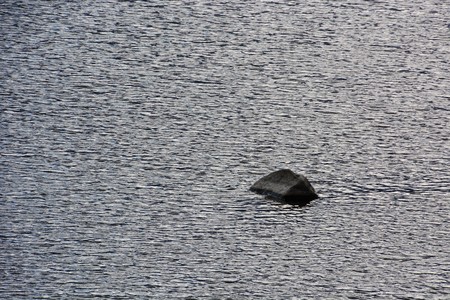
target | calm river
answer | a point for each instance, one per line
(131, 131)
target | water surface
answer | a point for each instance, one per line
(131, 131)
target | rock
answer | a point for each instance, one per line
(286, 186)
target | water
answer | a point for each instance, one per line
(131, 131)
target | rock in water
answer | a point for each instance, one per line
(286, 186)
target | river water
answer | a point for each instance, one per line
(131, 131)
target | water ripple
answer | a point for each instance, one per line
(131, 131)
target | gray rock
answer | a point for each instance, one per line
(286, 186)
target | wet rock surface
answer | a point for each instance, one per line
(286, 186)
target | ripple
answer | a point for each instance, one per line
(130, 133)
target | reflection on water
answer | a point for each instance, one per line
(131, 131)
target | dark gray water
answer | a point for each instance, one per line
(131, 131)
